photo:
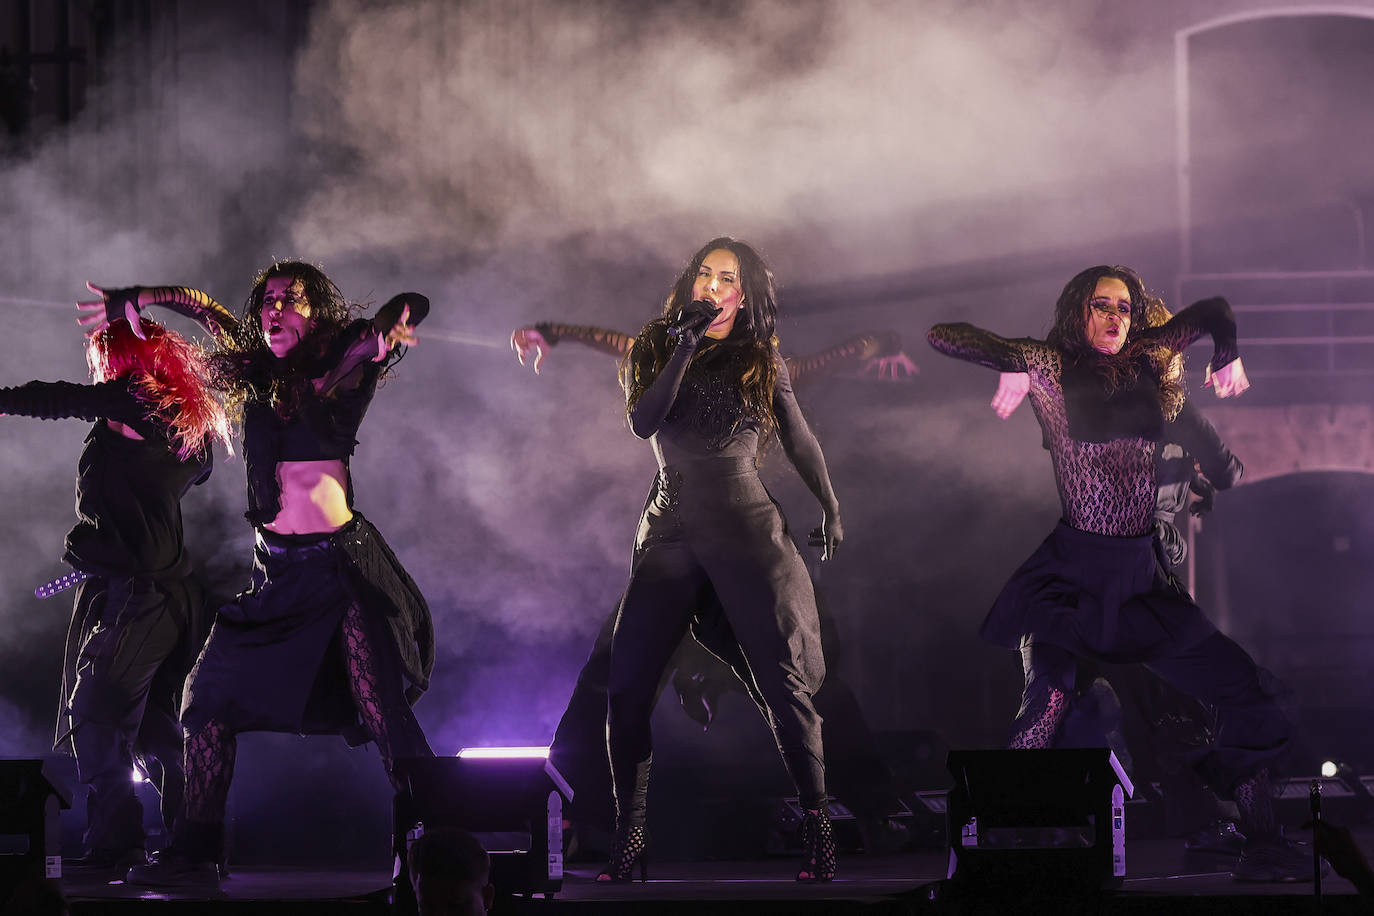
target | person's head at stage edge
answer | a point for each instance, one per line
(732, 275)
(450, 873)
(169, 373)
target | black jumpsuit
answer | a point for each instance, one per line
(858, 775)
(710, 529)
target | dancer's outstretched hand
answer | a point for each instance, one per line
(1012, 388)
(895, 367)
(523, 340)
(1229, 381)
(113, 304)
(402, 332)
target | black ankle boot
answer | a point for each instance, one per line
(630, 846)
(818, 848)
(193, 859)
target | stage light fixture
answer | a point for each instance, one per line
(1329, 769)
(1026, 820)
(31, 797)
(510, 798)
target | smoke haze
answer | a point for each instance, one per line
(519, 161)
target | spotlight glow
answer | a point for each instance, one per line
(510, 753)
(1328, 768)
(138, 775)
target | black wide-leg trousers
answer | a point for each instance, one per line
(709, 527)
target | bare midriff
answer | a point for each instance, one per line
(314, 497)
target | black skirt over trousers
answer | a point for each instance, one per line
(710, 525)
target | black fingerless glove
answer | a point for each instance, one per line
(390, 314)
(119, 301)
(545, 329)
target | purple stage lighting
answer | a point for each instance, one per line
(504, 753)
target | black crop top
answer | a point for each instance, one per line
(324, 427)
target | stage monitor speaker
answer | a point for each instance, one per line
(513, 804)
(31, 799)
(1029, 820)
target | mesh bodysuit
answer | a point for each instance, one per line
(1102, 445)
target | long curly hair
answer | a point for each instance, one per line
(244, 368)
(170, 373)
(752, 337)
(1069, 334)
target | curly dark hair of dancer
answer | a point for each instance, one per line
(1069, 334)
(170, 374)
(753, 332)
(245, 368)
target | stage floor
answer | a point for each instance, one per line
(1159, 879)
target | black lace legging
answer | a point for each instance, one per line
(381, 703)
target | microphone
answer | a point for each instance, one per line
(695, 316)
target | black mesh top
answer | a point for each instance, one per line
(1102, 444)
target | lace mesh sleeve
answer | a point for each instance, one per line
(974, 345)
(1210, 316)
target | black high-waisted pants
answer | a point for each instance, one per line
(711, 526)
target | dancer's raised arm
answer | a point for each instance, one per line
(878, 352)
(128, 302)
(1226, 373)
(542, 336)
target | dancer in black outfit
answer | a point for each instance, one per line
(857, 774)
(1095, 589)
(1192, 459)
(331, 630)
(137, 621)
(705, 384)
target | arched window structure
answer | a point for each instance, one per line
(1275, 121)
